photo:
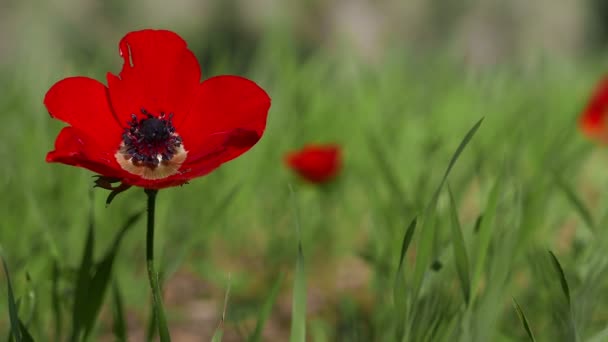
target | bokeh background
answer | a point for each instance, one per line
(397, 84)
(478, 32)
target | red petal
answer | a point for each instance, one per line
(231, 106)
(159, 74)
(218, 149)
(74, 147)
(316, 163)
(83, 103)
(593, 121)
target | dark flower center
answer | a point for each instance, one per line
(151, 140)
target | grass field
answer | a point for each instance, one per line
(527, 183)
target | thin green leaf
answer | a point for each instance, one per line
(100, 280)
(30, 299)
(12, 306)
(465, 141)
(219, 331)
(562, 277)
(266, 310)
(424, 252)
(407, 239)
(425, 245)
(25, 334)
(399, 295)
(524, 321)
(115, 191)
(83, 283)
(56, 301)
(119, 327)
(484, 235)
(566, 290)
(575, 201)
(477, 224)
(298, 313)
(460, 251)
(405, 244)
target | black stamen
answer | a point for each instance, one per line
(150, 140)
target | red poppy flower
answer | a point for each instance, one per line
(593, 121)
(155, 125)
(316, 163)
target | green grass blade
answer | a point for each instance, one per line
(298, 312)
(398, 293)
(18, 331)
(407, 239)
(100, 280)
(524, 321)
(30, 300)
(119, 326)
(266, 310)
(460, 251)
(425, 245)
(12, 306)
(566, 290)
(219, 331)
(25, 334)
(56, 301)
(424, 251)
(465, 141)
(477, 225)
(83, 283)
(576, 202)
(484, 236)
(562, 277)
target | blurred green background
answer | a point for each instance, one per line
(397, 84)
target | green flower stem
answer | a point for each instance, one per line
(159, 312)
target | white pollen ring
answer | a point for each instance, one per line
(163, 170)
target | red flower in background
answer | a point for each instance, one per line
(155, 125)
(316, 163)
(594, 119)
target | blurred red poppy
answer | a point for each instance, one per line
(316, 163)
(155, 125)
(593, 120)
